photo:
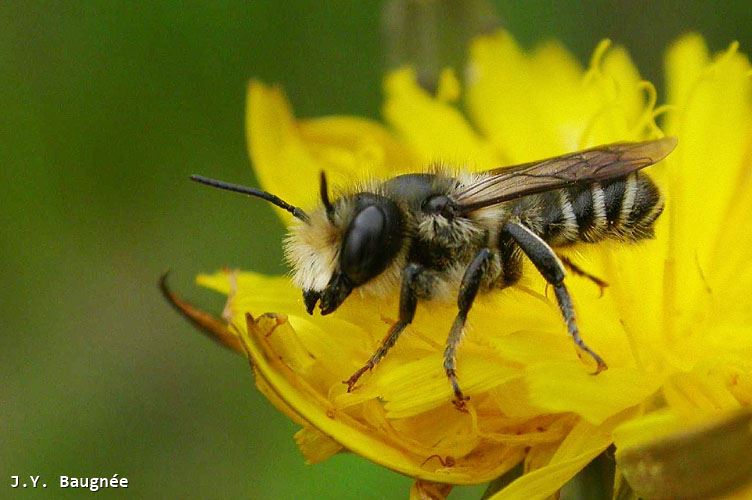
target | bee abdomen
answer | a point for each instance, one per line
(625, 209)
(633, 204)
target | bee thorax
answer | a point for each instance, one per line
(451, 233)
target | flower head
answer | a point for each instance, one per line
(674, 324)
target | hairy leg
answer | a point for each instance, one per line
(549, 265)
(468, 290)
(408, 304)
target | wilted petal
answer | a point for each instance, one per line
(664, 457)
(426, 490)
(315, 445)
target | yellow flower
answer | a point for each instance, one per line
(675, 324)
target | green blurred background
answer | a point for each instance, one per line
(105, 108)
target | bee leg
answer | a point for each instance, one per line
(408, 304)
(468, 290)
(549, 265)
(581, 272)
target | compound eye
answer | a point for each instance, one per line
(361, 257)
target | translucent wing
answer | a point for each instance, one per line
(582, 167)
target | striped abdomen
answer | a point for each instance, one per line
(624, 209)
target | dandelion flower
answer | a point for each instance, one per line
(675, 324)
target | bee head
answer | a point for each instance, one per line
(337, 248)
(346, 244)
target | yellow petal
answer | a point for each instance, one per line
(532, 347)
(514, 400)
(698, 393)
(686, 60)
(646, 428)
(505, 103)
(264, 388)
(278, 154)
(356, 147)
(712, 121)
(421, 385)
(288, 155)
(449, 86)
(311, 406)
(582, 445)
(436, 130)
(316, 409)
(637, 302)
(539, 456)
(528, 115)
(531, 432)
(312, 350)
(258, 293)
(568, 387)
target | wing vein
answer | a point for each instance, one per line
(582, 167)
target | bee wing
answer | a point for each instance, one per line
(582, 167)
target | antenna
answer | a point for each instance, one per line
(325, 198)
(257, 193)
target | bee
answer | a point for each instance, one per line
(441, 235)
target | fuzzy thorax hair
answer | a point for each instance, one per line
(312, 249)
